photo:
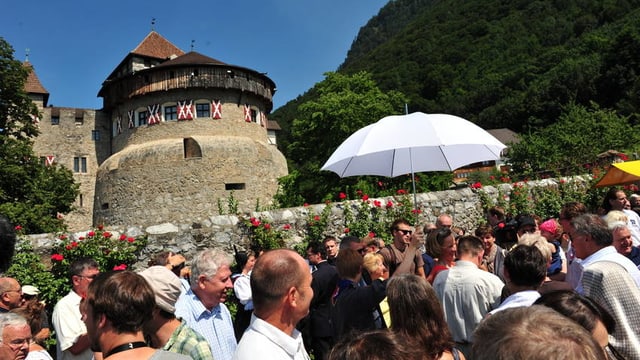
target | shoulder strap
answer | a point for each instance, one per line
(393, 264)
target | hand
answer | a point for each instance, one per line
(417, 238)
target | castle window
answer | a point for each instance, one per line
(170, 113)
(191, 148)
(234, 186)
(254, 116)
(55, 120)
(79, 116)
(142, 118)
(105, 206)
(80, 164)
(203, 110)
(95, 135)
(80, 201)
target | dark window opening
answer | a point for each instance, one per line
(80, 201)
(170, 113)
(234, 186)
(95, 135)
(254, 116)
(191, 148)
(55, 120)
(105, 206)
(142, 118)
(203, 110)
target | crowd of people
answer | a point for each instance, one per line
(514, 288)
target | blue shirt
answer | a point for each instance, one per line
(634, 255)
(215, 325)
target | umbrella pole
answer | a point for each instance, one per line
(413, 184)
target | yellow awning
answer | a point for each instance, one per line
(621, 173)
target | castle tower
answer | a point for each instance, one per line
(188, 132)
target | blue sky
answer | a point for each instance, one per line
(74, 45)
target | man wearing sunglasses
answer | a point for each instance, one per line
(73, 342)
(403, 256)
(10, 294)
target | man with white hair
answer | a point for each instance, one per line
(15, 337)
(202, 306)
(623, 242)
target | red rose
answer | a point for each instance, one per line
(316, 218)
(377, 203)
(123, 237)
(365, 197)
(120, 267)
(401, 192)
(106, 234)
(68, 247)
(63, 237)
(267, 226)
(346, 230)
(305, 204)
(286, 227)
(342, 196)
(500, 225)
(57, 257)
(389, 204)
(74, 244)
(100, 227)
(91, 234)
(130, 239)
(18, 228)
(81, 238)
(372, 234)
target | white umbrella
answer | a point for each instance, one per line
(405, 144)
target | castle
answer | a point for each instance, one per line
(178, 137)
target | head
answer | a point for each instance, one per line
(550, 229)
(15, 337)
(441, 243)
(470, 248)
(117, 303)
(245, 260)
(211, 277)
(7, 243)
(11, 295)
(584, 311)
(537, 240)
(634, 200)
(349, 264)
(370, 345)
(526, 224)
(426, 328)
(444, 221)
(33, 313)
(615, 199)
(589, 233)
(487, 235)
(533, 333)
(570, 211)
(281, 284)
(353, 243)
(30, 293)
(82, 272)
(373, 244)
(166, 288)
(401, 231)
(495, 215)
(374, 264)
(316, 253)
(331, 245)
(525, 268)
(622, 240)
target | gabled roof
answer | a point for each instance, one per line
(154, 45)
(505, 135)
(192, 58)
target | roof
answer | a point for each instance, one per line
(273, 125)
(505, 135)
(156, 46)
(33, 84)
(192, 58)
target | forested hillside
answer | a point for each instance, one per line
(514, 64)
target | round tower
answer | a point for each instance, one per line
(189, 137)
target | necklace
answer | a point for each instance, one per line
(125, 347)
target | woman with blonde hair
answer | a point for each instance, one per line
(418, 318)
(374, 264)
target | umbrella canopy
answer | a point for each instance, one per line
(621, 173)
(405, 144)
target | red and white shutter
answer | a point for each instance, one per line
(154, 114)
(49, 160)
(216, 109)
(119, 123)
(247, 113)
(185, 110)
(130, 117)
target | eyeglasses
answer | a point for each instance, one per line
(90, 277)
(405, 232)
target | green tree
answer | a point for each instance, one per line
(567, 146)
(345, 103)
(31, 194)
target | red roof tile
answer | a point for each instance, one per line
(33, 84)
(192, 58)
(154, 45)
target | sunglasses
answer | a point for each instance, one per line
(405, 232)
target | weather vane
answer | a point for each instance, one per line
(153, 24)
(193, 44)
(26, 51)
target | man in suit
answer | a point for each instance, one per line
(325, 279)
